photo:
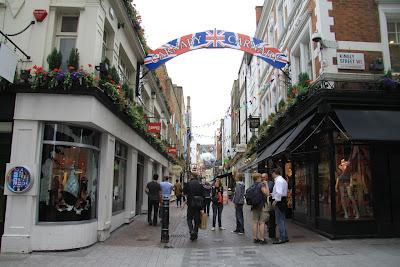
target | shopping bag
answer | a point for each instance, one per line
(203, 221)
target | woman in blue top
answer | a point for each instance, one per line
(217, 203)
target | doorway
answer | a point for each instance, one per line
(5, 152)
(139, 184)
(386, 182)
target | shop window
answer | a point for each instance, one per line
(289, 179)
(69, 172)
(393, 30)
(324, 188)
(301, 187)
(67, 33)
(353, 182)
(120, 163)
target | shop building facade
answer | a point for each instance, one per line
(87, 164)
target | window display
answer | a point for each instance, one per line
(324, 188)
(289, 180)
(68, 181)
(353, 182)
(121, 153)
(301, 187)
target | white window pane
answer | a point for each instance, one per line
(69, 24)
(392, 38)
(395, 57)
(391, 27)
(66, 45)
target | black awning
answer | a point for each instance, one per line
(376, 125)
(293, 136)
(273, 146)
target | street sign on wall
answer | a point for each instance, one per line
(254, 122)
(19, 179)
(351, 61)
(215, 39)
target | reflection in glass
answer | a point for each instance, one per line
(324, 196)
(301, 187)
(353, 182)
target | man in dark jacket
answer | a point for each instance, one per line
(153, 191)
(238, 200)
(195, 192)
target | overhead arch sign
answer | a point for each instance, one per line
(215, 39)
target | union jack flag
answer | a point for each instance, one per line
(215, 39)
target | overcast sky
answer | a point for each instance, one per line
(206, 75)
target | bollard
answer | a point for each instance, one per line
(165, 221)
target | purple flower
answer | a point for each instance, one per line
(59, 76)
(389, 83)
(75, 75)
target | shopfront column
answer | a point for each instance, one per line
(105, 185)
(160, 172)
(131, 181)
(21, 208)
(147, 177)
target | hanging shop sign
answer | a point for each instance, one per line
(254, 122)
(215, 39)
(8, 63)
(19, 179)
(240, 148)
(154, 127)
(172, 150)
(175, 169)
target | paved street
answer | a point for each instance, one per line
(138, 244)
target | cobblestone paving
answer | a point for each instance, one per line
(138, 244)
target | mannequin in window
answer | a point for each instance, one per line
(344, 185)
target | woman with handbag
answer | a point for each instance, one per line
(217, 203)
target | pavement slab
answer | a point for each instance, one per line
(138, 244)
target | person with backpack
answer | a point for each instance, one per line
(271, 222)
(217, 203)
(195, 202)
(238, 200)
(257, 197)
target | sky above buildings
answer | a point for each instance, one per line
(206, 75)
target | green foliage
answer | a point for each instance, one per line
(54, 59)
(281, 105)
(73, 60)
(113, 74)
(304, 79)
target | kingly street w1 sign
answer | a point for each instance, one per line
(215, 39)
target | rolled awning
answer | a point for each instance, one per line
(273, 146)
(374, 125)
(295, 133)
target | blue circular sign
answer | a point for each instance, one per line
(19, 179)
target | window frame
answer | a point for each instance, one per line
(66, 35)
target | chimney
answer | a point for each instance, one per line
(258, 13)
(188, 102)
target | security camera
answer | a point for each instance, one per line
(316, 37)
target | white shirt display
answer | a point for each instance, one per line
(280, 188)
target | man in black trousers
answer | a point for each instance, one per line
(153, 191)
(195, 202)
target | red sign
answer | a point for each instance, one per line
(40, 14)
(154, 127)
(172, 150)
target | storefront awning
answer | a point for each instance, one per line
(292, 136)
(377, 125)
(272, 147)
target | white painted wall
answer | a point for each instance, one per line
(22, 231)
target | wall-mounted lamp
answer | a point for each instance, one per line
(102, 68)
(153, 95)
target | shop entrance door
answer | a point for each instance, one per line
(139, 187)
(5, 152)
(387, 183)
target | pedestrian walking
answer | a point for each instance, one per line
(207, 197)
(178, 193)
(166, 190)
(271, 224)
(279, 195)
(238, 200)
(258, 196)
(153, 191)
(217, 203)
(195, 202)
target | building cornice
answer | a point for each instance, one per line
(387, 1)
